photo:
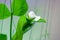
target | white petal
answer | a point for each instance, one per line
(32, 14)
(37, 18)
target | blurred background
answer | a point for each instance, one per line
(48, 9)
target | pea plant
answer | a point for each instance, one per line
(25, 22)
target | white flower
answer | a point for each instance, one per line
(37, 18)
(32, 15)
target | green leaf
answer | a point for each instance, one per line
(19, 7)
(18, 36)
(4, 12)
(41, 20)
(21, 22)
(28, 25)
(19, 32)
(22, 27)
(3, 37)
(27, 29)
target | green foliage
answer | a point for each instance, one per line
(19, 32)
(3, 37)
(22, 27)
(4, 12)
(27, 26)
(42, 20)
(19, 7)
(22, 21)
(18, 35)
(24, 24)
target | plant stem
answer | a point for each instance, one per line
(11, 26)
(18, 36)
(11, 21)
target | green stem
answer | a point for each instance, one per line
(11, 26)
(11, 21)
(18, 36)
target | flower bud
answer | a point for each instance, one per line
(31, 15)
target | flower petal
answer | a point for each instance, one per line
(37, 18)
(31, 14)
